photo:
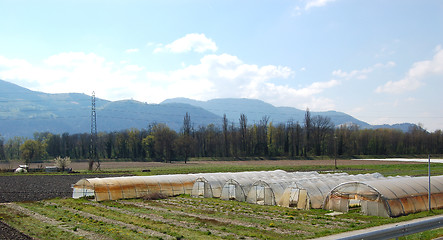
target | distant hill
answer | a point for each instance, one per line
(24, 112)
(255, 110)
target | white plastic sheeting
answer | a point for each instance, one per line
(239, 187)
(113, 188)
(211, 185)
(311, 192)
(390, 197)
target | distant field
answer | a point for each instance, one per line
(386, 167)
(184, 217)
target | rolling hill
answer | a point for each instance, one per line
(24, 112)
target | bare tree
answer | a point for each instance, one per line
(243, 132)
(308, 127)
(321, 126)
(225, 136)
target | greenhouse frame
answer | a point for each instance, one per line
(211, 185)
(311, 193)
(238, 188)
(114, 188)
(387, 198)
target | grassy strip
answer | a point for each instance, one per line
(269, 218)
(431, 234)
(210, 215)
(314, 221)
(212, 226)
(386, 170)
(33, 227)
(177, 232)
(240, 227)
(77, 221)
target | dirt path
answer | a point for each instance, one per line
(58, 224)
(158, 218)
(9, 233)
(145, 231)
(211, 219)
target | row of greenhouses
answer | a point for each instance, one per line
(374, 193)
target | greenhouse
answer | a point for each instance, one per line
(238, 188)
(114, 188)
(211, 185)
(266, 192)
(388, 198)
(310, 193)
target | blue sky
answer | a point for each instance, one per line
(380, 61)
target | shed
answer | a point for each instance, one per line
(388, 198)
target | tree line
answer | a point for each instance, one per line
(315, 136)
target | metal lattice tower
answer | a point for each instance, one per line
(93, 155)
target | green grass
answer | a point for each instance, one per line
(184, 217)
(386, 170)
(33, 227)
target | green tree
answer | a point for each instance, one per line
(164, 139)
(12, 148)
(32, 151)
(2, 149)
(184, 144)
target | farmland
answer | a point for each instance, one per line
(183, 217)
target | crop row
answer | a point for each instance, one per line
(180, 217)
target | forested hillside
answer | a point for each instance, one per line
(24, 112)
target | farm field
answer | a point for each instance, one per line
(57, 216)
(182, 217)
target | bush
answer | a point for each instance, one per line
(62, 163)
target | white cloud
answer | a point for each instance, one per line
(361, 73)
(134, 68)
(308, 4)
(67, 72)
(221, 76)
(317, 3)
(415, 75)
(191, 42)
(132, 50)
(215, 76)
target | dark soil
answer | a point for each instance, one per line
(9, 233)
(21, 188)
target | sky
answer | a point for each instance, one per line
(379, 61)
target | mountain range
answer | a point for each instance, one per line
(24, 112)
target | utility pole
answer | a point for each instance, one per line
(335, 150)
(93, 155)
(429, 182)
